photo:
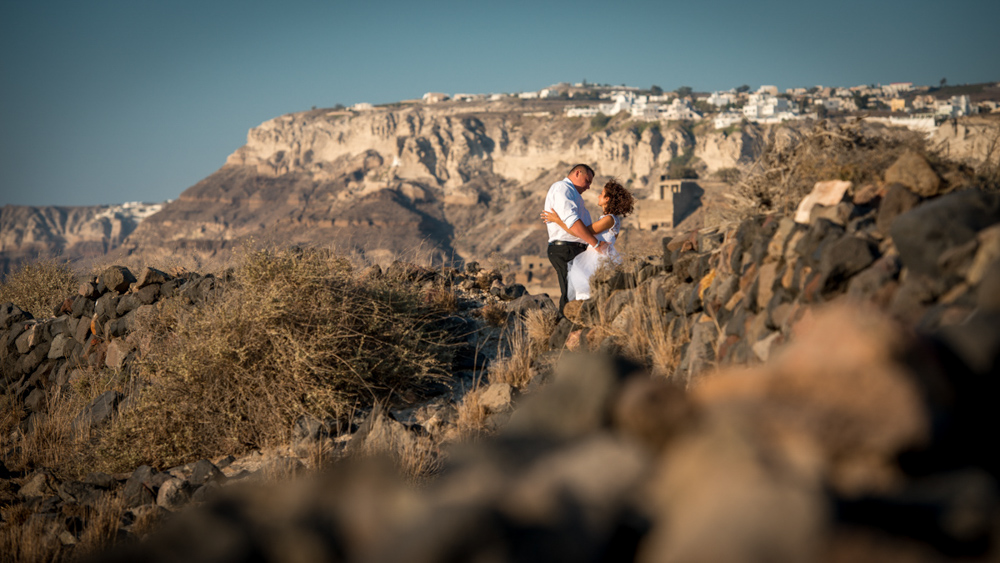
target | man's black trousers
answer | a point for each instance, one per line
(559, 256)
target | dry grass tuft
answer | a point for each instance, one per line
(538, 326)
(29, 538)
(495, 314)
(293, 334)
(442, 298)
(39, 287)
(53, 440)
(514, 367)
(472, 414)
(649, 341)
(103, 523)
(420, 459)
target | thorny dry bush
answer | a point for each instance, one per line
(856, 152)
(293, 333)
(38, 287)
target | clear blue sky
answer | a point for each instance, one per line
(106, 102)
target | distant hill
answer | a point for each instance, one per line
(71, 233)
(438, 183)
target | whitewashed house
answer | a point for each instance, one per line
(434, 97)
(726, 119)
(679, 109)
(721, 99)
(587, 111)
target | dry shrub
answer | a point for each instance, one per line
(783, 175)
(649, 341)
(513, 367)
(495, 314)
(103, 523)
(294, 333)
(538, 326)
(472, 414)
(54, 441)
(443, 299)
(419, 460)
(27, 537)
(39, 287)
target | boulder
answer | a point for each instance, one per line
(98, 411)
(924, 234)
(205, 471)
(101, 480)
(525, 303)
(148, 294)
(116, 278)
(39, 484)
(140, 488)
(81, 493)
(828, 193)
(11, 314)
(107, 306)
(35, 401)
(898, 200)
(61, 346)
(29, 338)
(127, 304)
(174, 494)
(987, 254)
(88, 289)
(496, 397)
(579, 400)
(118, 351)
(83, 307)
(913, 171)
(843, 258)
(150, 276)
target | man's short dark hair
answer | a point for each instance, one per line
(583, 167)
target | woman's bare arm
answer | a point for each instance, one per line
(601, 225)
(550, 216)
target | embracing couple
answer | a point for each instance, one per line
(577, 245)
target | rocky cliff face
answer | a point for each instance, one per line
(457, 180)
(68, 232)
(431, 183)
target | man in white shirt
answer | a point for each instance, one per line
(565, 199)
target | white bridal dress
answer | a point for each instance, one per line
(582, 268)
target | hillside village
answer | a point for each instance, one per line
(918, 107)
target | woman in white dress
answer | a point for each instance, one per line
(616, 202)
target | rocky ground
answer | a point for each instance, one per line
(807, 387)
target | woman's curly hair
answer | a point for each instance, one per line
(620, 200)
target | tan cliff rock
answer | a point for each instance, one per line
(70, 233)
(448, 181)
(460, 181)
